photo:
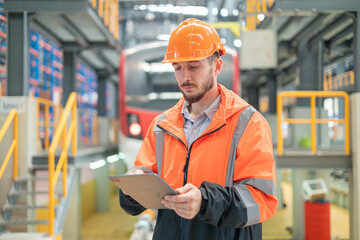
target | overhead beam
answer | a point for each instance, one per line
(71, 46)
(287, 63)
(91, 45)
(319, 21)
(317, 161)
(330, 30)
(318, 5)
(80, 39)
(287, 23)
(253, 78)
(108, 64)
(37, 26)
(342, 36)
(46, 6)
(339, 53)
(62, 6)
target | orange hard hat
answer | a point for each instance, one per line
(193, 40)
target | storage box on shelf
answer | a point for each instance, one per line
(3, 38)
(86, 87)
(45, 78)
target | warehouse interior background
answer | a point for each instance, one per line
(61, 133)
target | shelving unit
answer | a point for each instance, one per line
(86, 87)
(53, 48)
(59, 35)
(3, 49)
(45, 77)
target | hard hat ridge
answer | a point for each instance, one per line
(193, 40)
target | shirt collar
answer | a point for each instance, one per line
(209, 112)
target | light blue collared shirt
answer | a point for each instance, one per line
(194, 128)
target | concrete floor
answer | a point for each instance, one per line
(117, 225)
(114, 224)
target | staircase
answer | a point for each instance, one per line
(39, 202)
(26, 204)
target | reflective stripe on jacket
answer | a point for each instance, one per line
(231, 162)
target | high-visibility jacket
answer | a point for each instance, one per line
(231, 163)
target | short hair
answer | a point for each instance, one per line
(216, 55)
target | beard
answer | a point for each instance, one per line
(204, 88)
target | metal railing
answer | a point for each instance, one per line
(57, 112)
(13, 150)
(339, 81)
(66, 135)
(108, 10)
(256, 6)
(313, 120)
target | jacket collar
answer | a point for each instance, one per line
(230, 104)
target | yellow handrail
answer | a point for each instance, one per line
(313, 121)
(57, 110)
(335, 82)
(12, 117)
(54, 171)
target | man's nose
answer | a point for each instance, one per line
(185, 74)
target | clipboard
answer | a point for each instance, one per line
(147, 189)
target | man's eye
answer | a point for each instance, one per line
(193, 67)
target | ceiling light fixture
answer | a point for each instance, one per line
(261, 17)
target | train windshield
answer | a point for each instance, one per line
(153, 87)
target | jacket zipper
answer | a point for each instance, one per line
(186, 167)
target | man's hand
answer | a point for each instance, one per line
(135, 172)
(187, 203)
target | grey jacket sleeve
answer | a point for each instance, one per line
(222, 206)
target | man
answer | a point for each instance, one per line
(212, 147)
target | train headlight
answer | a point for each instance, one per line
(135, 129)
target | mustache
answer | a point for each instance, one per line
(187, 84)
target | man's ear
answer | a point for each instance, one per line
(218, 66)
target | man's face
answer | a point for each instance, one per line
(194, 78)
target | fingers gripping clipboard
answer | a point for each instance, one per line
(146, 189)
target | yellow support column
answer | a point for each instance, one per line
(313, 125)
(250, 20)
(107, 12)
(16, 139)
(94, 3)
(101, 8)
